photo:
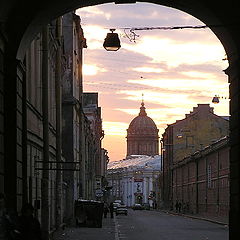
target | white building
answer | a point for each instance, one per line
(135, 180)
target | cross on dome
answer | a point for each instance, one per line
(142, 108)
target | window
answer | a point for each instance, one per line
(189, 141)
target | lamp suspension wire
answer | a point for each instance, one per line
(132, 35)
(177, 27)
(165, 28)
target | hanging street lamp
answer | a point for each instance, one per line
(112, 41)
(215, 99)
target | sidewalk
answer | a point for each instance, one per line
(107, 231)
(218, 219)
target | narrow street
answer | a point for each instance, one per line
(149, 225)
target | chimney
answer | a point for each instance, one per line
(203, 107)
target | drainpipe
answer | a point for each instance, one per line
(45, 162)
(58, 94)
(162, 170)
(197, 193)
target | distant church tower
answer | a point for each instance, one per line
(142, 135)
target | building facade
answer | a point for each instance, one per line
(92, 112)
(201, 181)
(135, 180)
(60, 164)
(142, 135)
(72, 93)
(199, 129)
(42, 120)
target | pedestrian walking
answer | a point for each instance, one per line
(105, 209)
(111, 209)
(29, 225)
(179, 207)
(176, 206)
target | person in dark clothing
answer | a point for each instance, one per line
(177, 206)
(8, 222)
(111, 209)
(29, 226)
(3, 233)
(105, 209)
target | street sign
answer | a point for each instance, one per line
(99, 193)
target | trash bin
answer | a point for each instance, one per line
(80, 214)
(88, 213)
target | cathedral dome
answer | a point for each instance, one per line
(142, 135)
(142, 124)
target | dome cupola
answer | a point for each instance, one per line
(142, 135)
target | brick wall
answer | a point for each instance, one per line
(201, 181)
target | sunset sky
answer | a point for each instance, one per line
(174, 69)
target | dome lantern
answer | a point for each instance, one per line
(142, 110)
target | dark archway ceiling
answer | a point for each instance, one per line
(23, 19)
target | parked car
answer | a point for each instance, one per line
(115, 206)
(146, 206)
(122, 209)
(137, 206)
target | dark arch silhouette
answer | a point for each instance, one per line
(23, 19)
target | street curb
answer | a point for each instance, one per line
(194, 217)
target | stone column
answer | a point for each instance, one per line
(14, 82)
(133, 196)
(147, 186)
(145, 190)
(2, 49)
(150, 184)
(125, 191)
(151, 189)
(233, 72)
(45, 204)
(58, 96)
(129, 191)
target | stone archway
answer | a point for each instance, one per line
(22, 25)
(19, 26)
